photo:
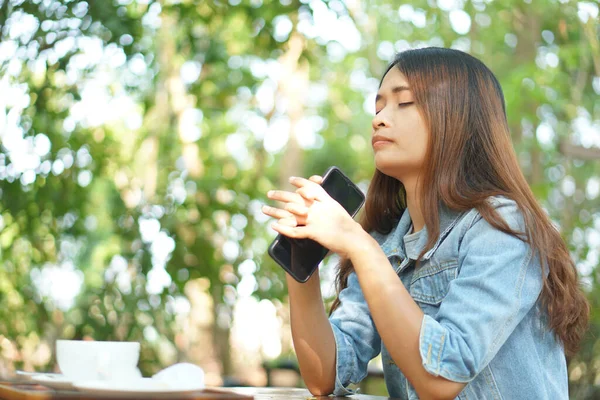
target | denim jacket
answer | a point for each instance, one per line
(484, 324)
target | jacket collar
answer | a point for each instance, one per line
(392, 244)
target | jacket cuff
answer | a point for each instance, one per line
(344, 363)
(432, 343)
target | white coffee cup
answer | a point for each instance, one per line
(96, 360)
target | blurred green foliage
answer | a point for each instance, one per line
(138, 140)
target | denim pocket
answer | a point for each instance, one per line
(430, 284)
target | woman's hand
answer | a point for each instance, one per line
(310, 213)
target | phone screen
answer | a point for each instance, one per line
(300, 257)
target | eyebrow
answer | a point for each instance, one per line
(396, 89)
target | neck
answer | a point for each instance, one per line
(414, 207)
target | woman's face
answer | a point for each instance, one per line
(399, 135)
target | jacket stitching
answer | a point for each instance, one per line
(495, 392)
(518, 292)
(439, 357)
(423, 273)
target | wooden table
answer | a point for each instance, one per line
(266, 393)
(29, 391)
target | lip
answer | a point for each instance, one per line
(379, 141)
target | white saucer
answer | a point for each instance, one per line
(135, 387)
(26, 376)
(54, 381)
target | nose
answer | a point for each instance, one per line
(380, 121)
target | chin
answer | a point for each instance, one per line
(386, 164)
(391, 168)
(387, 170)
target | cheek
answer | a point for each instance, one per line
(412, 128)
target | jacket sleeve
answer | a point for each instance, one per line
(499, 282)
(357, 340)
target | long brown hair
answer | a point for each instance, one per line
(470, 158)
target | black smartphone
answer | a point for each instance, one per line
(301, 257)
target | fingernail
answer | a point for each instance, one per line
(270, 193)
(292, 178)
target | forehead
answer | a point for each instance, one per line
(392, 79)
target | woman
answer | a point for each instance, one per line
(455, 273)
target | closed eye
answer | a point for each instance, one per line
(400, 105)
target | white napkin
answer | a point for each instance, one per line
(183, 376)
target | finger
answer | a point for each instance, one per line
(308, 189)
(301, 182)
(284, 196)
(292, 232)
(316, 179)
(296, 209)
(312, 193)
(276, 212)
(291, 222)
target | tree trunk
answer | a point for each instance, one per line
(221, 332)
(293, 86)
(526, 27)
